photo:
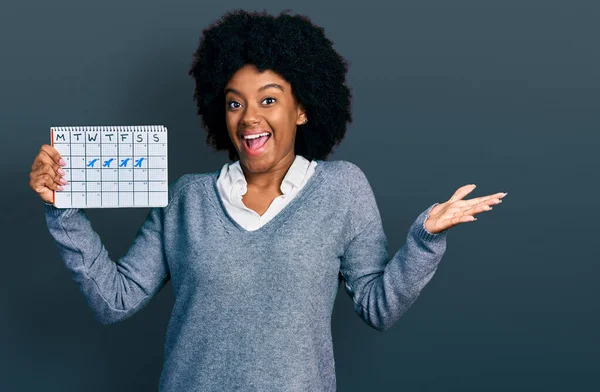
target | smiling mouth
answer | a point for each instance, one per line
(256, 143)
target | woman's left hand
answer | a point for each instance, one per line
(456, 211)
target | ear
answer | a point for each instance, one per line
(300, 115)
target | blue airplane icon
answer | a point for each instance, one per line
(124, 162)
(107, 163)
(92, 162)
(138, 163)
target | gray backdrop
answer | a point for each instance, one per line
(446, 93)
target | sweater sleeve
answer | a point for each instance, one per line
(382, 289)
(113, 290)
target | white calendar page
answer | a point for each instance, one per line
(112, 166)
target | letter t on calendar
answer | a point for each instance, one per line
(112, 166)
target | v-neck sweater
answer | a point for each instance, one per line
(232, 186)
(253, 309)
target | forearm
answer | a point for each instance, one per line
(113, 291)
(382, 298)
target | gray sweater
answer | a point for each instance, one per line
(253, 309)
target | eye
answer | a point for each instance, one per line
(235, 102)
(229, 104)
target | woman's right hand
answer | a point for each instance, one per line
(46, 173)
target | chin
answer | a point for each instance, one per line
(256, 165)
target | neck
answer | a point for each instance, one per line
(271, 179)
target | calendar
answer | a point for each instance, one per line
(112, 166)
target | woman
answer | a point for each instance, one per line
(256, 250)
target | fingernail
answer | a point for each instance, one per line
(60, 188)
(62, 162)
(505, 193)
(63, 181)
(474, 186)
(61, 171)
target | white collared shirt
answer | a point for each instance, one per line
(232, 186)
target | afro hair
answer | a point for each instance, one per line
(294, 48)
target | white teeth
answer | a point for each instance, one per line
(255, 136)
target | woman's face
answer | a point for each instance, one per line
(262, 103)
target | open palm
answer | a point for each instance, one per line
(456, 210)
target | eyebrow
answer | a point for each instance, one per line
(270, 85)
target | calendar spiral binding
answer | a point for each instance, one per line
(111, 128)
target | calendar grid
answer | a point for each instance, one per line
(138, 178)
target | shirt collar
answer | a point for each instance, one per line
(293, 178)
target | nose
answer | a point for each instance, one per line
(251, 116)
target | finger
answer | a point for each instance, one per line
(47, 170)
(48, 155)
(44, 182)
(54, 154)
(461, 192)
(457, 215)
(495, 199)
(473, 210)
(463, 219)
(44, 160)
(455, 220)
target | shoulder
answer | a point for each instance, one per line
(187, 183)
(355, 194)
(341, 167)
(348, 174)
